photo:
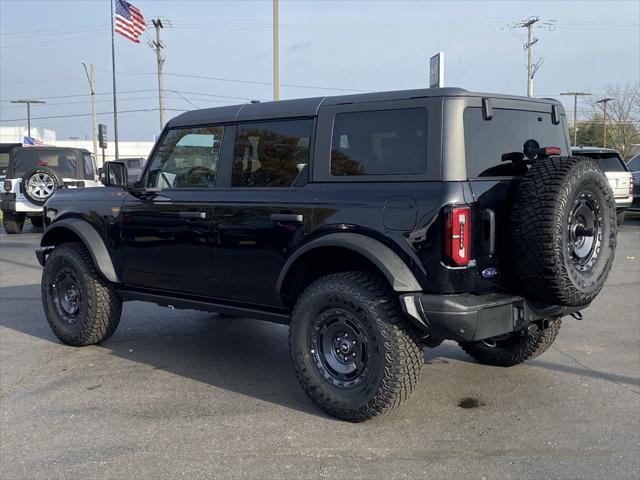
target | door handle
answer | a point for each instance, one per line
(287, 217)
(193, 215)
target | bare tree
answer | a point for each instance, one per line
(623, 117)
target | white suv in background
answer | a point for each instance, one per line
(34, 174)
(618, 174)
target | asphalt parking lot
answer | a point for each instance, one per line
(184, 394)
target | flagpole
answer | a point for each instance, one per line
(113, 69)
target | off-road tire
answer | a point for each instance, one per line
(542, 221)
(620, 218)
(12, 222)
(100, 306)
(515, 349)
(57, 183)
(37, 221)
(394, 356)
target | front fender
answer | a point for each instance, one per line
(89, 237)
(386, 260)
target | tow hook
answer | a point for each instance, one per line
(577, 315)
(532, 329)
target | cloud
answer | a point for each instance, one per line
(298, 46)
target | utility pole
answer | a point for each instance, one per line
(604, 102)
(575, 113)
(529, 47)
(276, 66)
(92, 88)
(28, 101)
(157, 47)
(532, 66)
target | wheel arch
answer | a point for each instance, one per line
(74, 230)
(340, 252)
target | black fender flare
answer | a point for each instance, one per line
(386, 260)
(91, 239)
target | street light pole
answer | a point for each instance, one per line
(604, 102)
(92, 88)
(575, 112)
(28, 101)
(276, 66)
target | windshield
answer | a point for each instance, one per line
(634, 164)
(63, 162)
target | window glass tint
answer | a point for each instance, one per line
(4, 160)
(62, 161)
(611, 163)
(384, 142)
(492, 145)
(634, 164)
(186, 158)
(88, 166)
(271, 154)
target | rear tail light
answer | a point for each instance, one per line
(631, 186)
(457, 235)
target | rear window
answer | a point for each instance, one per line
(490, 145)
(383, 142)
(61, 161)
(609, 162)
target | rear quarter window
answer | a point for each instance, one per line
(488, 143)
(381, 142)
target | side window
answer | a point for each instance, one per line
(88, 166)
(271, 154)
(492, 145)
(383, 142)
(186, 158)
(634, 164)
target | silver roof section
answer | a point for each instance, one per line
(309, 106)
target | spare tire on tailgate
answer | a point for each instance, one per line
(563, 227)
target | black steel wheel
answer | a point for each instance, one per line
(354, 352)
(82, 308)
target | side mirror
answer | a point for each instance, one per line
(114, 174)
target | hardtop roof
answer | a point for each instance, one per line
(309, 106)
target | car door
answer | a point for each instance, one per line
(265, 209)
(167, 225)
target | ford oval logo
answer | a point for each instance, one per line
(489, 272)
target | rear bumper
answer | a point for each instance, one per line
(469, 317)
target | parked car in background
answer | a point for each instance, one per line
(633, 166)
(617, 173)
(5, 151)
(34, 174)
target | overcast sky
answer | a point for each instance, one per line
(326, 48)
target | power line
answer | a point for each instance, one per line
(89, 114)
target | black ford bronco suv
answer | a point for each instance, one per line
(372, 224)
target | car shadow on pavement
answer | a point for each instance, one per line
(241, 355)
(451, 351)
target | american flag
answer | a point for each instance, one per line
(129, 21)
(31, 142)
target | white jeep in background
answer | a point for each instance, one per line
(34, 174)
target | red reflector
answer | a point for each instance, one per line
(41, 164)
(457, 235)
(552, 151)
